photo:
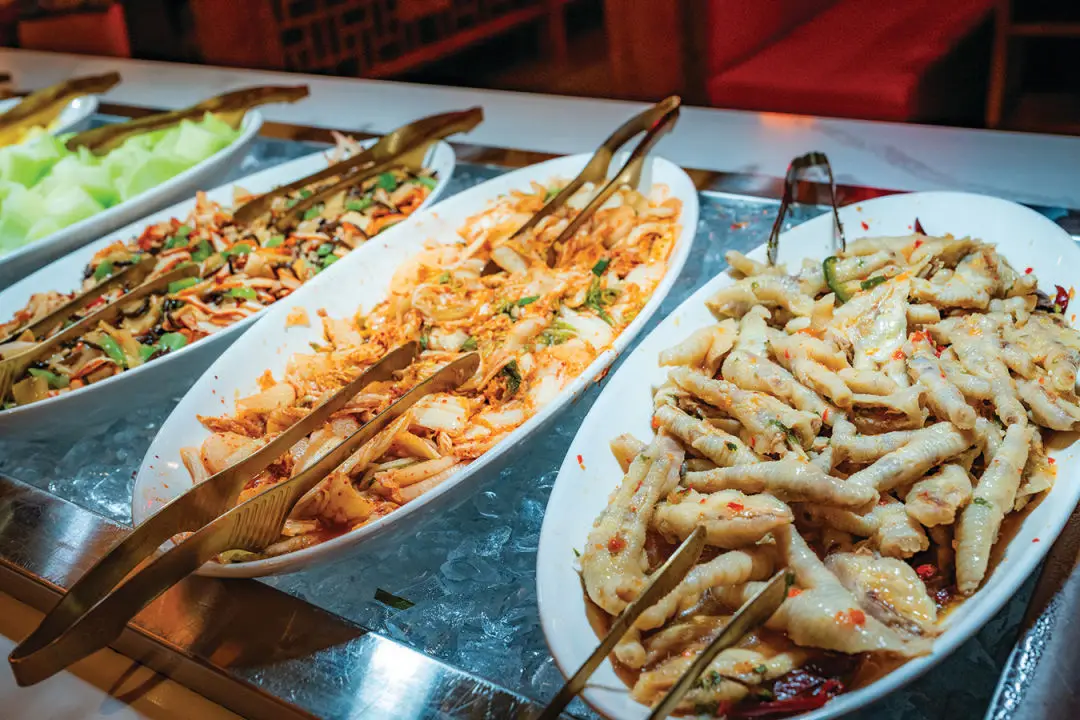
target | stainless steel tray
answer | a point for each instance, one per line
(317, 643)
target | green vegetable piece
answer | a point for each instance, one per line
(386, 181)
(527, 300)
(732, 447)
(600, 266)
(427, 182)
(469, 345)
(981, 501)
(871, 283)
(176, 241)
(184, 230)
(112, 349)
(359, 205)
(243, 292)
(103, 270)
(237, 249)
(513, 377)
(171, 342)
(597, 298)
(55, 381)
(329, 260)
(828, 267)
(392, 600)
(178, 285)
(313, 212)
(551, 192)
(202, 251)
(274, 241)
(423, 342)
(325, 249)
(444, 278)
(145, 351)
(305, 193)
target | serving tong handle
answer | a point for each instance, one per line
(656, 122)
(791, 180)
(391, 145)
(133, 274)
(15, 365)
(408, 151)
(96, 616)
(662, 582)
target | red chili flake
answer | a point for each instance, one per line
(919, 227)
(1035, 540)
(702, 501)
(1051, 460)
(616, 544)
(825, 415)
(899, 354)
(739, 225)
(926, 571)
(656, 423)
(581, 462)
(865, 226)
(794, 592)
(939, 349)
(736, 507)
(918, 244)
(857, 616)
(1028, 271)
(752, 443)
(787, 354)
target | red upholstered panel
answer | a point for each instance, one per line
(860, 58)
(86, 33)
(739, 28)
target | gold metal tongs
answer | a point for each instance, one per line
(655, 122)
(791, 180)
(131, 276)
(17, 362)
(40, 108)
(95, 610)
(662, 582)
(405, 146)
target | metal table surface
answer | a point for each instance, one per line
(317, 643)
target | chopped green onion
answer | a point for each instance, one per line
(558, 333)
(329, 260)
(732, 447)
(597, 298)
(469, 345)
(527, 300)
(103, 270)
(202, 251)
(306, 193)
(600, 266)
(871, 283)
(313, 212)
(145, 351)
(176, 241)
(178, 285)
(274, 241)
(113, 350)
(444, 278)
(981, 501)
(423, 342)
(359, 205)
(237, 249)
(392, 600)
(386, 181)
(291, 203)
(577, 553)
(243, 292)
(171, 341)
(55, 381)
(325, 249)
(551, 192)
(427, 182)
(184, 230)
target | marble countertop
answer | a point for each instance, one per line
(1035, 169)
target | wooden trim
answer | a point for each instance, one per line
(1045, 29)
(239, 33)
(645, 44)
(995, 96)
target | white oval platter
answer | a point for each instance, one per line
(18, 263)
(108, 399)
(73, 113)
(581, 490)
(362, 279)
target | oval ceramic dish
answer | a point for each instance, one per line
(366, 273)
(73, 113)
(108, 399)
(581, 489)
(17, 263)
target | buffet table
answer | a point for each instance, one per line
(320, 643)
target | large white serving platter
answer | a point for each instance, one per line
(362, 280)
(18, 263)
(581, 490)
(105, 401)
(73, 113)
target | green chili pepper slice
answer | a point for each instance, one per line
(829, 268)
(113, 350)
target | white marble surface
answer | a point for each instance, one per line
(1040, 169)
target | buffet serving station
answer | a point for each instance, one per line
(439, 618)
